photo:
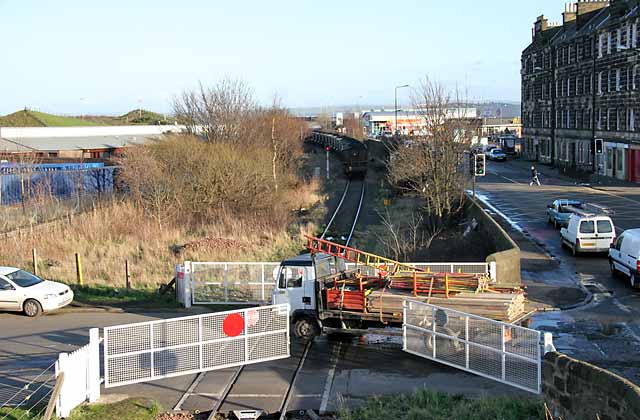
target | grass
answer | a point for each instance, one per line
(129, 409)
(21, 414)
(28, 118)
(118, 231)
(429, 405)
(145, 297)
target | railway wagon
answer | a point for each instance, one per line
(352, 152)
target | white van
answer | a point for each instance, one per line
(588, 233)
(624, 256)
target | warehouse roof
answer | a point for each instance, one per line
(52, 144)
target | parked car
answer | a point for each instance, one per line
(497, 154)
(624, 256)
(21, 291)
(588, 233)
(560, 211)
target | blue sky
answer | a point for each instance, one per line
(118, 55)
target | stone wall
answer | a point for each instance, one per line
(577, 390)
(507, 253)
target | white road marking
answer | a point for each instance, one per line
(621, 306)
(329, 382)
(599, 349)
(630, 331)
(485, 200)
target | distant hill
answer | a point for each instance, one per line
(28, 118)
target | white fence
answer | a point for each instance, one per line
(504, 352)
(81, 370)
(152, 350)
(252, 282)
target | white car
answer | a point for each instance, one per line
(21, 291)
(624, 256)
(588, 233)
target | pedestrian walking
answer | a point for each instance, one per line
(534, 176)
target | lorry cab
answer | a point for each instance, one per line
(624, 256)
(296, 285)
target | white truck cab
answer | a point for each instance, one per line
(588, 232)
(296, 285)
(624, 256)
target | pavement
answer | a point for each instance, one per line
(603, 327)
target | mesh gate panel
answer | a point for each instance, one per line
(165, 348)
(504, 352)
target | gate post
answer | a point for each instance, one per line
(493, 271)
(188, 285)
(93, 366)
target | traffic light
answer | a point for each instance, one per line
(599, 146)
(480, 165)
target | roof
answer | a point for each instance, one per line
(7, 270)
(635, 232)
(46, 144)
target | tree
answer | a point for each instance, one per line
(432, 167)
(219, 113)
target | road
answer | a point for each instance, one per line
(335, 372)
(606, 331)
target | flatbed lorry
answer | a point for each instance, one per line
(325, 296)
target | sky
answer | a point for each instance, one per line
(90, 56)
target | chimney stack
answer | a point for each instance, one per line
(570, 13)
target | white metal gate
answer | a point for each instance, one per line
(232, 282)
(504, 352)
(211, 283)
(152, 350)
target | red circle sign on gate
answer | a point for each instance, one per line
(233, 325)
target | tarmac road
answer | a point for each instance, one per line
(606, 332)
(335, 372)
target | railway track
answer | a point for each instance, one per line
(341, 225)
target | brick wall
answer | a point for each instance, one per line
(574, 389)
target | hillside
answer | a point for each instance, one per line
(28, 118)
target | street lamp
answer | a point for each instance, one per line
(395, 123)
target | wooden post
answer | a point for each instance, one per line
(54, 397)
(79, 269)
(34, 256)
(127, 276)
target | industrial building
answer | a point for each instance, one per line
(410, 122)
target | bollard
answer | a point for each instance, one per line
(34, 256)
(79, 269)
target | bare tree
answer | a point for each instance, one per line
(432, 167)
(218, 113)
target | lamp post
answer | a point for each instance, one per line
(395, 121)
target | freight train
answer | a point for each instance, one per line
(353, 153)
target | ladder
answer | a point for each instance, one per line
(382, 264)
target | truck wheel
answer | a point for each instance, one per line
(614, 272)
(574, 251)
(306, 329)
(32, 308)
(555, 224)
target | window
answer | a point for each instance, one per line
(604, 226)
(291, 277)
(619, 242)
(609, 42)
(609, 79)
(619, 38)
(569, 86)
(599, 120)
(608, 125)
(24, 279)
(634, 75)
(600, 83)
(620, 159)
(634, 35)
(568, 118)
(5, 285)
(632, 120)
(587, 227)
(600, 45)
(617, 80)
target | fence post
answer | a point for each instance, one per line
(127, 276)
(55, 394)
(34, 256)
(93, 366)
(493, 271)
(188, 285)
(79, 270)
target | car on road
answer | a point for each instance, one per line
(497, 154)
(624, 256)
(21, 291)
(588, 233)
(561, 210)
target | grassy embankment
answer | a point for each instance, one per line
(130, 409)
(28, 118)
(113, 234)
(429, 405)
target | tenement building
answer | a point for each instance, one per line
(581, 82)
